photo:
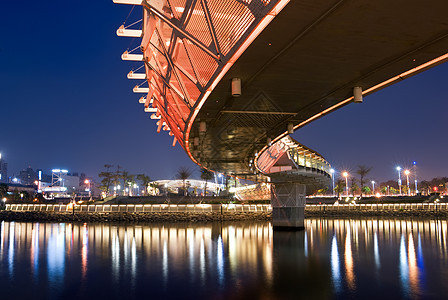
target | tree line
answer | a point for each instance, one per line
(111, 179)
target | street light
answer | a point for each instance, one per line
(399, 178)
(407, 179)
(415, 177)
(136, 187)
(332, 179)
(345, 174)
(373, 187)
(87, 181)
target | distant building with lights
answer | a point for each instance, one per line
(3, 170)
(28, 176)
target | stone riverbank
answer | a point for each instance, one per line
(126, 217)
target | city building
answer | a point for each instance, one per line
(3, 170)
(28, 176)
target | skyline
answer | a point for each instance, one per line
(67, 104)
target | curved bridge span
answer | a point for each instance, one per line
(229, 80)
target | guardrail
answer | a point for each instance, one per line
(141, 208)
(147, 208)
(380, 206)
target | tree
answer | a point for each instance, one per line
(107, 178)
(206, 175)
(362, 172)
(183, 173)
(354, 188)
(366, 190)
(145, 180)
(128, 179)
(322, 191)
(3, 190)
(131, 184)
(339, 188)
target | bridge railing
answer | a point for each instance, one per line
(148, 208)
(141, 208)
(379, 206)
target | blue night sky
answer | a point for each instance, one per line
(66, 103)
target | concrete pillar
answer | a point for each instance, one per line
(288, 205)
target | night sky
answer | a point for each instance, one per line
(66, 103)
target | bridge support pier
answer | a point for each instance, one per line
(288, 205)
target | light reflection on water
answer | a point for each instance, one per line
(331, 258)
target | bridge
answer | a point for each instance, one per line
(230, 80)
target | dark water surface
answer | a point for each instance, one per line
(331, 258)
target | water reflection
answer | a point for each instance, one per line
(331, 257)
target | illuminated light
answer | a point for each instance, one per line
(64, 171)
(132, 75)
(398, 168)
(131, 57)
(155, 117)
(406, 172)
(130, 2)
(36, 182)
(150, 109)
(378, 195)
(123, 32)
(331, 171)
(86, 181)
(56, 170)
(142, 100)
(290, 128)
(236, 87)
(138, 89)
(345, 174)
(202, 126)
(357, 94)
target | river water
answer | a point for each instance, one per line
(331, 258)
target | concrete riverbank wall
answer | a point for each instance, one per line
(207, 212)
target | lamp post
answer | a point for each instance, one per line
(415, 177)
(332, 179)
(136, 187)
(399, 179)
(345, 174)
(373, 187)
(406, 172)
(87, 182)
